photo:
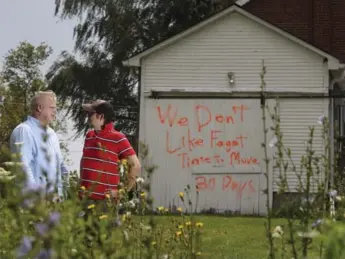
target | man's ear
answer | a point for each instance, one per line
(38, 107)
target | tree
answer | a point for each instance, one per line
(109, 32)
(21, 77)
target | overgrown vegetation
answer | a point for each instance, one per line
(35, 225)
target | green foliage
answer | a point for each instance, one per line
(36, 224)
(21, 78)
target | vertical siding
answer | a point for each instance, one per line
(234, 44)
(297, 116)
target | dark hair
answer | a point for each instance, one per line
(107, 110)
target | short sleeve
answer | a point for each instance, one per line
(125, 149)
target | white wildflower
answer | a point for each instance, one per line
(333, 193)
(131, 204)
(276, 235)
(310, 234)
(321, 119)
(273, 142)
(122, 169)
(278, 232)
(3, 172)
(125, 234)
(135, 200)
(278, 229)
(145, 226)
(140, 180)
(13, 163)
(5, 176)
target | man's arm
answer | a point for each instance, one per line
(21, 142)
(134, 166)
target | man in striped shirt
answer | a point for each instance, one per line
(103, 148)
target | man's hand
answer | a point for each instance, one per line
(131, 182)
(113, 194)
(133, 171)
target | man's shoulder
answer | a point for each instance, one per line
(22, 127)
(114, 136)
(21, 133)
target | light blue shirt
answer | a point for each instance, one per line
(41, 154)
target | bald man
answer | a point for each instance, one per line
(39, 146)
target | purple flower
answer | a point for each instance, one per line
(81, 214)
(28, 203)
(25, 246)
(54, 217)
(317, 223)
(45, 254)
(117, 223)
(42, 228)
(333, 193)
(32, 187)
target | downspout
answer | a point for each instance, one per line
(138, 111)
(331, 123)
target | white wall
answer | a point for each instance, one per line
(201, 61)
(234, 44)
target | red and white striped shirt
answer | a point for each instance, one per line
(99, 166)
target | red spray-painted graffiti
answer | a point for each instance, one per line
(228, 184)
(225, 151)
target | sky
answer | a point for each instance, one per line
(34, 21)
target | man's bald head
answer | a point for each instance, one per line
(43, 106)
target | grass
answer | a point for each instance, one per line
(236, 237)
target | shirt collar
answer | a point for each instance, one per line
(108, 127)
(35, 121)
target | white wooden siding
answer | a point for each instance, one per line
(170, 145)
(297, 116)
(234, 44)
(201, 62)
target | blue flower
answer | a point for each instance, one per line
(54, 217)
(81, 214)
(317, 223)
(32, 187)
(42, 228)
(25, 246)
(45, 254)
(333, 193)
(28, 203)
